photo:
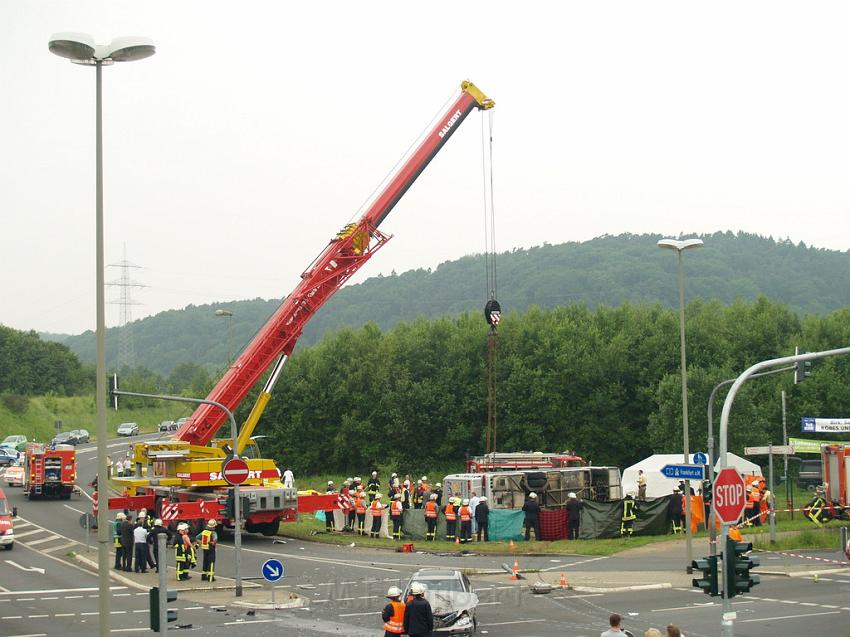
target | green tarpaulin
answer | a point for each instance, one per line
(602, 519)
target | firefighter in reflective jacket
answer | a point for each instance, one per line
(753, 506)
(814, 510)
(465, 522)
(360, 510)
(393, 614)
(377, 511)
(207, 539)
(396, 513)
(184, 554)
(432, 509)
(627, 521)
(451, 519)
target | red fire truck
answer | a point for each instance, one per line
(836, 473)
(49, 472)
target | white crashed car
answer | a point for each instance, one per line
(452, 600)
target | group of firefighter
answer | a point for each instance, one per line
(463, 516)
(139, 542)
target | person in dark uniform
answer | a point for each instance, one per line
(127, 527)
(574, 507)
(153, 540)
(532, 517)
(482, 518)
(627, 520)
(674, 508)
(418, 616)
(329, 513)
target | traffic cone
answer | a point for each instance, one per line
(563, 583)
(457, 539)
(511, 545)
(515, 570)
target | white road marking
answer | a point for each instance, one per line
(373, 612)
(767, 619)
(64, 614)
(68, 506)
(572, 564)
(488, 603)
(319, 601)
(36, 616)
(12, 617)
(248, 623)
(53, 549)
(519, 621)
(18, 536)
(65, 590)
(43, 540)
(30, 569)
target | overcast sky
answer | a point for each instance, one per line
(258, 129)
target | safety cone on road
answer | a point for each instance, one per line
(457, 539)
(511, 545)
(563, 583)
(515, 570)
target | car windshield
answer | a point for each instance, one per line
(10, 441)
(448, 584)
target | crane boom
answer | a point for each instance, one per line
(340, 259)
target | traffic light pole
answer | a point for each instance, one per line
(162, 565)
(727, 624)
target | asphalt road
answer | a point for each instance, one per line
(345, 587)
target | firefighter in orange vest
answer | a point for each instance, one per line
(377, 511)
(360, 510)
(207, 539)
(753, 505)
(393, 614)
(451, 519)
(432, 510)
(396, 513)
(465, 522)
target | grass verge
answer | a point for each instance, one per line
(808, 539)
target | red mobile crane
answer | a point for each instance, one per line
(187, 469)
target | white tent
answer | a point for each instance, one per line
(657, 484)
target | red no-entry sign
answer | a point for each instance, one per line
(729, 492)
(234, 471)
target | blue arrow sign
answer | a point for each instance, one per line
(700, 458)
(683, 471)
(272, 570)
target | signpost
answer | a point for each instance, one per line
(683, 471)
(272, 571)
(700, 458)
(770, 451)
(234, 471)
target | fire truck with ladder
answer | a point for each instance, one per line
(49, 472)
(181, 478)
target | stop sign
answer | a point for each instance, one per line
(234, 471)
(729, 500)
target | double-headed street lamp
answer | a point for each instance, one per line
(80, 48)
(680, 247)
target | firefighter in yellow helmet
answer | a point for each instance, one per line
(207, 540)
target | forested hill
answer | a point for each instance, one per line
(608, 270)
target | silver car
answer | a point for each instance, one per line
(128, 429)
(452, 599)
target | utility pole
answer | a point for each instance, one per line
(126, 350)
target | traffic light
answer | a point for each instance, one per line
(708, 582)
(802, 369)
(170, 614)
(738, 576)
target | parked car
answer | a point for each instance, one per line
(62, 438)
(452, 600)
(14, 475)
(128, 429)
(168, 425)
(810, 474)
(80, 436)
(8, 455)
(17, 442)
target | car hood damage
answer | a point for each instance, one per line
(447, 606)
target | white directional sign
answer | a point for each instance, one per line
(778, 450)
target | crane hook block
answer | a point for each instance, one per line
(493, 312)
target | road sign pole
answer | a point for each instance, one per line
(771, 516)
(274, 605)
(727, 621)
(162, 565)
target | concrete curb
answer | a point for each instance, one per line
(825, 571)
(621, 589)
(123, 579)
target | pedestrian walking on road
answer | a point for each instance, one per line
(574, 507)
(393, 613)
(641, 481)
(418, 616)
(207, 540)
(482, 518)
(532, 517)
(127, 528)
(140, 547)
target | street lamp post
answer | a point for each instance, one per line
(680, 247)
(229, 316)
(80, 48)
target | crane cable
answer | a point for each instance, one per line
(492, 310)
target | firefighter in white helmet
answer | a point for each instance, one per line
(183, 552)
(393, 613)
(207, 540)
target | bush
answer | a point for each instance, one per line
(16, 403)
